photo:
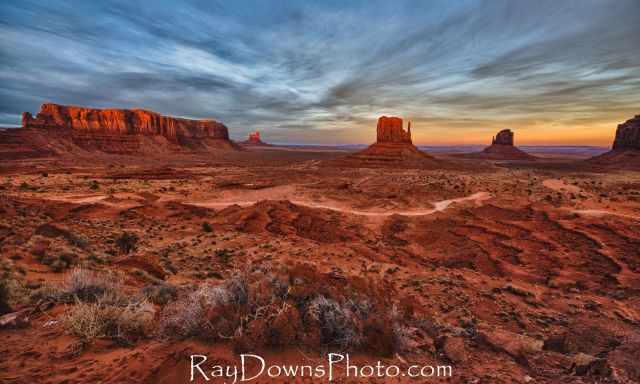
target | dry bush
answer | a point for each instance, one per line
(338, 324)
(83, 285)
(88, 285)
(187, 316)
(160, 294)
(293, 305)
(103, 319)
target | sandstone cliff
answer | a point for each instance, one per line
(123, 122)
(625, 152)
(390, 130)
(69, 130)
(628, 135)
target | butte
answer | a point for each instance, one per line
(501, 148)
(625, 152)
(393, 148)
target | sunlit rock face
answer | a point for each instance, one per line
(628, 135)
(504, 137)
(70, 130)
(393, 148)
(123, 122)
(254, 139)
(390, 130)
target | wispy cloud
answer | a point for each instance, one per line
(322, 72)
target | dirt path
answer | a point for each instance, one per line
(560, 186)
(439, 206)
(602, 212)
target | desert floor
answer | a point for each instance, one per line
(514, 272)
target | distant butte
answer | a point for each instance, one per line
(502, 148)
(393, 147)
(254, 140)
(59, 129)
(625, 152)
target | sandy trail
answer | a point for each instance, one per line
(560, 185)
(439, 206)
(602, 212)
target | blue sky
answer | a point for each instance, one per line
(557, 72)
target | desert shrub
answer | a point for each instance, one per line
(127, 242)
(160, 294)
(292, 305)
(50, 293)
(337, 322)
(207, 227)
(63, 262)
(13, 292)
(193, 314)
(103, 319)
(94, 185)
(86, 285)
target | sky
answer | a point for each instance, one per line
(556, 72)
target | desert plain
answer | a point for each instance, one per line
(510, 271)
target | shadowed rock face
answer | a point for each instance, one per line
(390, 130)
(123, 122)
(502, 148)
(628, 134)
(504, 137)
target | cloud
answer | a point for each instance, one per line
(322, 72)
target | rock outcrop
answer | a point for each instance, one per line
(60, 130)
(504, 137)
(123, 122)
(625, 152)
(393, 147)
(254, 140)
(390, 130)
(501, 148)
(628, 135)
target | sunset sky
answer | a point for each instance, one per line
(556, 72)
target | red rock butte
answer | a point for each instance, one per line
(625, 152)
(628, 135)
(502, 148)
(504, 137)
(254, 139)
(123, 122)
(69, 130)
(390, 131)
(393, 147)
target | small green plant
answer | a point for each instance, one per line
(207, 227)
(94, 185)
